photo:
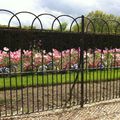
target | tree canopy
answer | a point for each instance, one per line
(100, 22)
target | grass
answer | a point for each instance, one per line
(36, 79)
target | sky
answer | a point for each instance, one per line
(58, 7)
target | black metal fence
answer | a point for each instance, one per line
(49, 69)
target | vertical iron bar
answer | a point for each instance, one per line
(86, 81)
(48, 94)
(42, 81)
(82, 62)
(16, 93)
(61, 79)
(93, 52)
(100, 74)
(21, 70)
(57, 90)
(89, 78)
(52, 81)
(78, 90)
(113, 66)
(118, 70)
(5, 97)
(70, 71)
(106, 76)
(96, 74)
(65, 86)
(10, 83)
(32, 79)
(115, 73)
(74, 89)
(109, 76)
(37, 86)
(27, 95)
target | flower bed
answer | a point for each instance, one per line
(27, 60)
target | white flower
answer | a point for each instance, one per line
(6, 49)
(102, 56)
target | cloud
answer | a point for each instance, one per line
(56, 7)
(18, 5)
(78, 7)
(73, 7)
(15, 6)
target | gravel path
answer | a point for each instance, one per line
(107, 110)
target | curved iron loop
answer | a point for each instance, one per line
(13, 15)
(91, 22)
(76, 24)
(106, 25)
(64, 16)
(104, 22)
(21, 13)
(107, 21)
(44, 15)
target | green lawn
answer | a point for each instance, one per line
(35, 79)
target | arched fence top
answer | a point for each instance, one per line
(45, 14)
(7, 11)
(91, 25)
(95, 21)
(18, 13)
(68, 16)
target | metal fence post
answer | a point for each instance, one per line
(82, 62)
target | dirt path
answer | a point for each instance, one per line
(108, 110)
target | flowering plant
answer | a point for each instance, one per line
(56, 60)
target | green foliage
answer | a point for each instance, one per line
(100, 22)
(63, 26)
(3, 26)
(76, 28)
(24, 27)
(28, 27)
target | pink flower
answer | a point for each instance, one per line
(37, 59)
(27, 53)
(15, 56)
(56, 54)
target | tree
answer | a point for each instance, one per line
(24, 27)
(101, 22)
(63, 26)
(28, 27)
